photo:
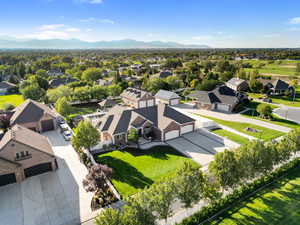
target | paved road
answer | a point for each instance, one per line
(289, 113)
(53, 198)
(236, 118)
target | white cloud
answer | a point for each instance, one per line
(295, 20)
(51, 26)
(90, 1)
(88, 30)
(72, 29)
(96, 20)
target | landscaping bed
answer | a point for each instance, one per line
(135, 169)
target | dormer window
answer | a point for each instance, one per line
(22, 155)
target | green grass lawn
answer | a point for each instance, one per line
(135, 169)
(278, 204)
(276, 120)
(16, 100)
(82, 110)
(265, 134)
(231, 136)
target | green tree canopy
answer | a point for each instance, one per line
(92, 74)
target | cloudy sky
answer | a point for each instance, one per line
(221, 23)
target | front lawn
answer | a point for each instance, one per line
(278, 204)
(252, 113)
(15, 100)
(265, 134)
(135, 169)
(231, 136)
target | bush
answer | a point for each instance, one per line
(239, 194)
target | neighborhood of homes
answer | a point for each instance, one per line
(25, 152)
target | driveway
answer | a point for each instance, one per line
(53, 198)
(200, 146)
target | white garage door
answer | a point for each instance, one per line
(142, 104)
(174, 101)
(150, 102)
(223, 107)
(186, 129)
(171, 134)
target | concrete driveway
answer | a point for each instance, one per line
(53, 198)
(201, 146)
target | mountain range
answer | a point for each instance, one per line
(7, 42)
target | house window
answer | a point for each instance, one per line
(23, 155)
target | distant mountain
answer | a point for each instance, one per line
(6, 42)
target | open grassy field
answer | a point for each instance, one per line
(276, 120)
(265, 134)
(231, 136)
(11, 99)
(135, 169)
(278, 204)
(287, 68)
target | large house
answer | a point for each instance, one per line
(158, 122)
(35, 116)
(167, 97)
(54, 83)
(221, 98)
(5, 87)
(137, 98)
(237, 84)
(24, 153)
(276, 87)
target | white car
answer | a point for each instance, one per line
(64, 127)
(67, 135)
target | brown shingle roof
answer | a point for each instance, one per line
(27, 137)
(30, 111)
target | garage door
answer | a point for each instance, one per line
(47, 125)
(174, 101)
(150, 102)
(186, 129)
(223, 107)
(38, 169)
(7, 179)
(142, 104)
(171, 134)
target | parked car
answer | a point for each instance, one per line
(64, 127)
(267, 100)
(67, 135)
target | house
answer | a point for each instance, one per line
(24, 153)
(105, 82)
(107, 103)
(34, 116)
(237, 84)
(159, 122)
(137, 98)
(55, 73)
(5, 87)
(164, 74)
(136, 67)
(276, 87)
(54, 83)
(167, 97)
(221, 98)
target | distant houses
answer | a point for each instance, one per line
(54, 83)
(137, 98)
(5, 87)
(276, 87)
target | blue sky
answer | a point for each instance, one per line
(219, 23)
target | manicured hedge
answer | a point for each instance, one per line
(239, 194)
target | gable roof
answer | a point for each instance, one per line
(235, 81)
(167, 95)
(165, 74)
(21, 135)
(222, 94)
(30, 111)
(134, 93)
(280, 85)
(61, 81)
(107, 102)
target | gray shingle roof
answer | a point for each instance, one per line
(166, 95)
(235, 81)
(5, 84)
